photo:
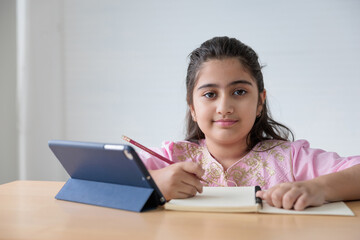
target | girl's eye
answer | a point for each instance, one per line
(209, 95)
(240, 92)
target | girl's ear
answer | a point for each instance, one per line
(192, 110)
(262, 98)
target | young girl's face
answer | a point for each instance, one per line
(225, 101)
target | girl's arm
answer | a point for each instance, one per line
(179, 180)
(339, 186)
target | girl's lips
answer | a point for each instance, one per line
(226, 122)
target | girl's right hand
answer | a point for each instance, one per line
(179, 180)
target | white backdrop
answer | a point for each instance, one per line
(94, 70)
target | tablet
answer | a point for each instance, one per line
(117, 164)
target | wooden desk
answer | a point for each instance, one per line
(28, 210)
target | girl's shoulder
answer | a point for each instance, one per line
(268, 145)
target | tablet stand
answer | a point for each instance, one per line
(111, 195)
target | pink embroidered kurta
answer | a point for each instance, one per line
(267, 164)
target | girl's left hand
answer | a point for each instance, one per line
(297, 195)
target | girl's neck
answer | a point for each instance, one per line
(227, 154)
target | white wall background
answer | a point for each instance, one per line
(8, 136)
(94, 70)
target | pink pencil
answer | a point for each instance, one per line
(147, 150)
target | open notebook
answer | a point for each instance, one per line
(242, 199)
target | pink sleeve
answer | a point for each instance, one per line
(310, 163)
(153, 163)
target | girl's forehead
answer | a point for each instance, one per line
(223, 70)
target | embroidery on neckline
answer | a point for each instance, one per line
(252, 168)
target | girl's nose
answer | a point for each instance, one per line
(225, 106)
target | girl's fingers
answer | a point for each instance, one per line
(193, 173)
(290, 198)
(267, 195)
(181, 195)
(297, 195)
(274, 196)
(187, 190)
(302, 202)
(260, 194)
(191, 181)
(277, 196)
(179, 180)
(193, 168)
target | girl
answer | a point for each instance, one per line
(233, 141)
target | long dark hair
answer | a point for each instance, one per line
(265, 128)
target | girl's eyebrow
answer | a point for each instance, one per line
(213, 85)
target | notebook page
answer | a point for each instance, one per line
(335, 208)
(219, 198)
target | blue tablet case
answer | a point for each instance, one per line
(108, 175)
